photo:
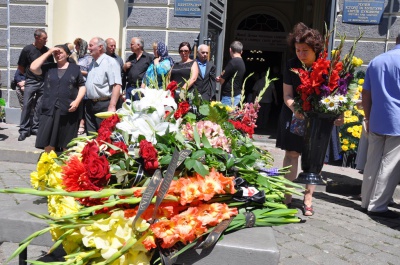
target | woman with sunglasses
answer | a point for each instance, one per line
(186, 71)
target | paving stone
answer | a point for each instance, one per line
(328, 259)
(386, 257)
(296, 260)
(361, 248)
(335, 249)
(303, 249)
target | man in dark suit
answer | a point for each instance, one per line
(205, 82)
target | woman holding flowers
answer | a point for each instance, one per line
(64, 89)
(306, 43)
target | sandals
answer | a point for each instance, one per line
(308, 210)
(81, 130)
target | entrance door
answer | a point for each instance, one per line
(212, 31)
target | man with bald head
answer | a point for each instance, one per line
(103, 84)
(205, 82)
(110, 51)
(136, 65)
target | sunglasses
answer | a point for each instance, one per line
(183, 51)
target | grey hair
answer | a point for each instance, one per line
(202, 46)
(140, 41)
(236, 47)
(39, 33)
(100, 41)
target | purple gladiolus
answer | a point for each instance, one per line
(325, 90)
(342, 89)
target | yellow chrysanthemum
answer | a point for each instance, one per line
(361, 81)
(356, 61)
(345, 141)
(356, 96)
(350, 130)
(352, 146)
(360, 88)
(347, 113)
(340, 135)
(345, 148)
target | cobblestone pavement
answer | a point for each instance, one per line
(338, 233)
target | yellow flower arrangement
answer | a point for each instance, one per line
(357, 62)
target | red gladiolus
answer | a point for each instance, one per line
(183, 108)
(172, 87)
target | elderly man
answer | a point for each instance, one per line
(103, 84)
(234, 71)
(136, 65)
(205, 82)
(33, 90)
(110, 51)
(380, 100)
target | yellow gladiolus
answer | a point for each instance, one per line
(360, 88)
(333, 52)
(356, 61)
(48, 172)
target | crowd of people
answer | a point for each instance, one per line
(62, 88)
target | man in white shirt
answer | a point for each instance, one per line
(103, 84)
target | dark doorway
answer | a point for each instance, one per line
(258, 62)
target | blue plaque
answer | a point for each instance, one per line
(363, 11)
(187, 8)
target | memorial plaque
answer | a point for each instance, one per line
(187, 8)
(363, 11)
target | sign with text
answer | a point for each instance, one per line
(363, 11)
(263, 40)
(187, 8)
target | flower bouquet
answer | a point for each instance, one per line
(326, 91)
(350, 132)
(329, 86)
(158, 178)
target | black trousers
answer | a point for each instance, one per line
(32, 102)
(92, 123)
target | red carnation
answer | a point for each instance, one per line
(75, 177)
(183, 108)
(149, 155)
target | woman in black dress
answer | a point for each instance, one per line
(306, 43)
(186, 71)
(64, 89)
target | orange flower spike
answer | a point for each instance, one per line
(189, 192)
(165, 230)
(207, 216)
(149, 242)
(188, 226)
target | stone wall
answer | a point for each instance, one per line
(154, 20)
(25, 17)
(377, 39)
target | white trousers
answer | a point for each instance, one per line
(381, 172)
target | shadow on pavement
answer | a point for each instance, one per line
(391, 223)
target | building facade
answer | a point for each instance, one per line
(262, 26)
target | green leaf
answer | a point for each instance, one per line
(205, 141)
(230, 162)
(200, 168)
(165, 160)
(204, 110)
(122, 165)
(196, 137)
(189, 163)
(198, 154)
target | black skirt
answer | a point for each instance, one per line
(57, 130)
(286, 140)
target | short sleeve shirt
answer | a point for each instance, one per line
(235, 66)
(138, 69)
(103, 74)
(30, 53)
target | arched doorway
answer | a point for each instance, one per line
(264, 46)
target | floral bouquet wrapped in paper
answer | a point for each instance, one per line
(158, 177)
(329, 86)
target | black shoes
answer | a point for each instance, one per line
(34, 132)
(22, 136)
(388, 214)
